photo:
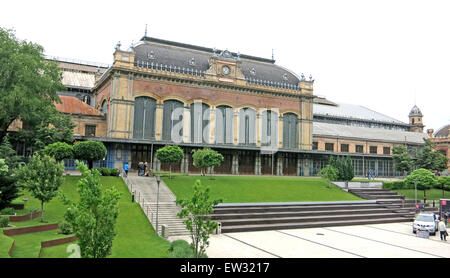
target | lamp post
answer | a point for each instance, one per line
(158, 180)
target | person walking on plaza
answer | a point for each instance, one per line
(442, 229)
(126, 168)
(146, 169)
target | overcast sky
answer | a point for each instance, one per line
(384, 55)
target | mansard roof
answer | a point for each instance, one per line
(157, 51)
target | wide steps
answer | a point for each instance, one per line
(290, 208)
(303, 213)
(308, 219)
(331, 223)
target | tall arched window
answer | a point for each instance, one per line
(247, 126)
(269, 128)
(144, 118)
(200, 115)
(171, 106)
(290, 131)
(224, 125)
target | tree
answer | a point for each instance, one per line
(8, 188)
(28, 82)
(424, 179)
(93, 218)
(329, 172)
(195, 213)
(170, 154)
(427, 158)
(8, 154)
(59, 151)
(42, 176)
(90, 151)
(402, 159)
(444, 182)
(344, 166)
(206, 158)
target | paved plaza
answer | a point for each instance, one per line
(365, 241)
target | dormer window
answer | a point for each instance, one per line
(285, 76)
(151, 55)
(192, 61)
(253, 71)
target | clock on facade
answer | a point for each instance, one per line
(225, 70)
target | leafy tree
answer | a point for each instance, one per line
(427, 158)
(8, 154)
(93, 218)
(42, 176)
(8, 188)
(206, 158)
(344, 166)
(59, 151)
(89, 151)
(195, 213)
(444, 183)
(424, 178)
(329, 172)
(402, 159)
(170, 154)
(28, 82)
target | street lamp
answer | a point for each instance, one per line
(158, 180)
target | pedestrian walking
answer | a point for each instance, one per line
(146, 168)
(141, 169)
(126, 168)
(442, 229)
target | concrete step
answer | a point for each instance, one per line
(264, 227)
(309, 219)
(262, 209)
(301, 213)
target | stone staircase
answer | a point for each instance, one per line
(275, 216)
(145, 192)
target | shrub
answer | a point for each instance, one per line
(180, 249)
(65, 228)
(329, 172)
(7, 211)
(108, 171)
(4, 221)
(394, 185)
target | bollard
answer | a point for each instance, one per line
(219, 228)
(164, 231)
(132, 197)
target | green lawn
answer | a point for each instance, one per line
(5, 245)
(135, 235)
(253, 189)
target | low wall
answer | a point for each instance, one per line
(359, 184)
(14, 218)
(33, 229)
(12, 248)
(59, 241)
(17, 206)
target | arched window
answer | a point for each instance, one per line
(247, 126)
(290, 131)
(269, 128)
(200, 115)
(144, 118)
(224, 125)
(171, 106)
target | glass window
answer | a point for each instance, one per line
(329, 146)
(89, 130)
(386, 150)
(359, 148)
(344, 147)
(373, 149)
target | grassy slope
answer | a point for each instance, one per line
(135, 236)
(251, 189)
(5, 245)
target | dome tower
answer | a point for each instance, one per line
(415, 120)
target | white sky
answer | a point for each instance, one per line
(384, 55)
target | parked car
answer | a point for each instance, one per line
(426, 222)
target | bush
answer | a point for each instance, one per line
(65, 228)
(4, 221)
(394, 185)
(180, 249)
(7, 211)
(108, 171)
